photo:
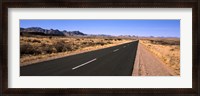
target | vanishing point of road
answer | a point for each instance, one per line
(112, 61)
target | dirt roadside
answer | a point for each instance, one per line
(147, 64)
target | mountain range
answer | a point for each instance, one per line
(49, 32)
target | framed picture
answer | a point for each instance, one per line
(100, 47)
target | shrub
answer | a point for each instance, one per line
(77, 39)
(171, 49)
(119, 39)
(84, 43)
(91, 40)
(50, 37)
(29, 40)
(165, 42)
(91, 43)
(48, 49)
(61, 46)
(26, 48)
(38, 41)
(100, 43)
(109, 42)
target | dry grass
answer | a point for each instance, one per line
(167, 50)
(40, 48)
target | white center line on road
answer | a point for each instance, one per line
(84, 64)
(115, 50)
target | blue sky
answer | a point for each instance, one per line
(165, 28)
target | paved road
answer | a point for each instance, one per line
(113, 61)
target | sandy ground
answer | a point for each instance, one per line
(168, 54)
(147, 64)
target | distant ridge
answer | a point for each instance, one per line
(48, 32)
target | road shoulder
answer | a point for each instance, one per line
(147, 64)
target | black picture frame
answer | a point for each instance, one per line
(194, 4)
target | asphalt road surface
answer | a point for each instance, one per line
(113, 61)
